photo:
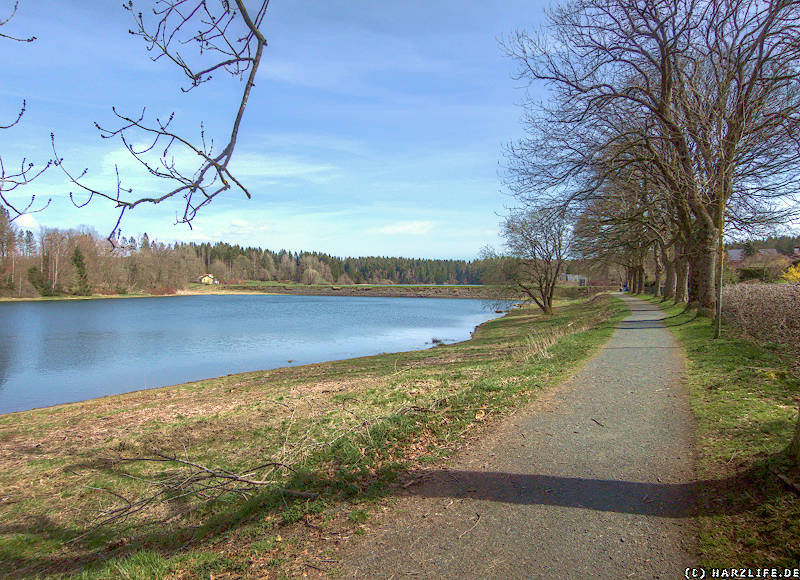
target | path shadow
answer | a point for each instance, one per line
(654, 499)
(667, 500)
(655, 323)
(639, 324)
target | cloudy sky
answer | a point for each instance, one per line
(375, 128)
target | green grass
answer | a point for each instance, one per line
(349, 430)
(743, 396)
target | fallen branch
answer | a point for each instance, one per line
(190, 480)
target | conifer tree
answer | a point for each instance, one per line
(82, 285)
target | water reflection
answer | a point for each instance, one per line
(66, 351)
(7, 354)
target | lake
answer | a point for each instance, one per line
(64, 351)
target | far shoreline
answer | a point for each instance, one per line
(477, 292)
(301, 368)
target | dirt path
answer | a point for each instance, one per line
(594, 481)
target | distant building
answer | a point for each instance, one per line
(735, 256)
(207, 279)
(578, 279)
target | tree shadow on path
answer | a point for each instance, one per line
(667, 500)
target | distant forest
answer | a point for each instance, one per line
(55, 262)
(784, 244)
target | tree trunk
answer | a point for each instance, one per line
(703, 260)
(657, 273)
(681, 279)
(670, 278)
(640, 281)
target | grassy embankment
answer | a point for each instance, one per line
(366, 290)
(348, 430)
(744, 397)
(254, 287)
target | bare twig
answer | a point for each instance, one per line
(183, 31)
(464, 533)
(11, 180)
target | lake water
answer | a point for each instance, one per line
(58, 352)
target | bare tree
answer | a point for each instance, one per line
(538, 243)
(201, 38)
(709, 88)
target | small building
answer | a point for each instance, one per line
(578, 279)
(735, 255)
(207, 279)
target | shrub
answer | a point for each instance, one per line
(163, 291)
(766, 312)
(764, 268)
(792, 274)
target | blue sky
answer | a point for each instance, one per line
(375, 128)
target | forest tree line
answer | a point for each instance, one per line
(79, 262)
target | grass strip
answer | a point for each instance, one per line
(348, 430)
(743, 395)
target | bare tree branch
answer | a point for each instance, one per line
(11, 180)
(188, 33)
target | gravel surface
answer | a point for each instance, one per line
(592, 481)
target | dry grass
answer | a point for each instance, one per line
(766, 312)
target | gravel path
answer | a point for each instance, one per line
(593, 481)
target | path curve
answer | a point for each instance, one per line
(593, 481)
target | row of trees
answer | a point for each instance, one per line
(782, 244)
(233, 261)
(669, 123)
(79, 262)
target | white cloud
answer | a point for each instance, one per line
(27, 222)
(280, 167)
(411, 228)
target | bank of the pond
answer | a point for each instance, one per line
(475, 292)
(337, 435)
(744, 396)
(478, 292)
(60, 352)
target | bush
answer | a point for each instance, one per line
(766, 312)
(764, 268)
(792, 274)
(163, 291)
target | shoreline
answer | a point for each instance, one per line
(281, 369)
(366, 290)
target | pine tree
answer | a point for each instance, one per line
(82, 285)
